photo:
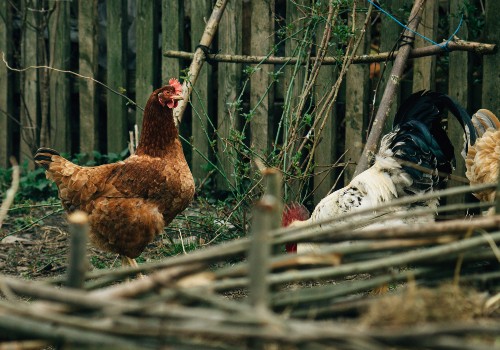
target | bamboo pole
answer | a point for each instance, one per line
(455, 45)
(199, 57)
(391, 88)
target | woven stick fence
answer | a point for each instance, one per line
(286, 300)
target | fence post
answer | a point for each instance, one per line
(262, 41)
(326, 151)
(357, 96)
(77, 264)
(30, 88)
(59, 91)
(424, 69)
(389, 40)
(146, 54)
(458, 88)
(116, 74)
(491, 63)
(87, 40)
(6, 85)
(201, 105)
(229, 78)
(172, 30)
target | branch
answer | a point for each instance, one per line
(199, 57)
(391, 88)
(456, 45)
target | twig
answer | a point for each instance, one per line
(391, 88)
(73, 73)
(456, 45)
(11, 192)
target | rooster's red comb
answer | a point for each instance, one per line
(294, 212)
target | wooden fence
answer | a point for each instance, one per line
(120, 43)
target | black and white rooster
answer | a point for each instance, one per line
(417, 138)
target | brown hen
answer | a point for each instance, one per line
(130, 202)
(481, 159)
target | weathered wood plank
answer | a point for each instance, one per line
(389, 35)
(294, 84)
(172, 24)
(116, 74)
(147, 30)
(6, 85)
(491, 63)
(424, 69)
(59, 92)
(87, 41)
(229, 77)
(326, 151)
(459, 78)
(261, 43)
(201, 106)
(357, 96)
(30, 88)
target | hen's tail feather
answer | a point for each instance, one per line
(43, 157)
(483, 120)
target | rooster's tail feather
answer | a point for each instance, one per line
(483, 120)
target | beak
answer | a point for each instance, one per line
(177, 97)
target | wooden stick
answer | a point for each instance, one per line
(11, 192)
(199, 58)
(391, 88)
(456, 45)
(77, 266)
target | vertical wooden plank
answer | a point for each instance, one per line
(87, 40)
(229, 77)
(357, 96)
(146, 53)
(30, 89)
(458, 88)
(172, 29)
(59, 92)
(200, 104)
(491, 63)
(326, 151)
(6, 85)
(116, 74)
(261, 43)
(424, 69)
(389, 35)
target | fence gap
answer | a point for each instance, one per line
(59, 87)
(200, 102)
(357, 98)
(146, 54)
(229, 77)
(88, 65)
(459, 79)
(261, 106)
(116, 74)
(424, 69)
(6, 85)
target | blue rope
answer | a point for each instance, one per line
(442, 45)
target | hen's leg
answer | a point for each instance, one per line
(126, 261)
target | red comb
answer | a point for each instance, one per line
(176, 85)
(293, 212)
